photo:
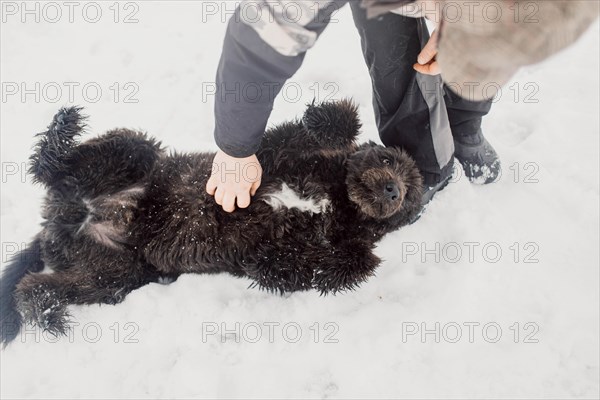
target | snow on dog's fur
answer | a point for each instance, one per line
(120, 212)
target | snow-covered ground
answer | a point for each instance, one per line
(493, 293)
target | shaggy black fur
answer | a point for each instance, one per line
(28, 260)
(120, 213)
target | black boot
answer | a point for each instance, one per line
(428, 193)
(478, 158)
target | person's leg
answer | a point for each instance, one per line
(478, 158)
(409, 107)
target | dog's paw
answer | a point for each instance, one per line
(40, 306)
(335, 123)
(55, 321)
(281, 268)
(344, 270)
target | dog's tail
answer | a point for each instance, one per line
(48, 162)
(26, 261)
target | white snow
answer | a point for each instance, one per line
(520, 255)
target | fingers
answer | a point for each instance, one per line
(429, 51)
(211, 185)
(433, 68)
(219, 194)
(254, 187)
(426, 54)
(228, 199)
(426, 63)
(228, 202)
(228, 191)
(243, 199)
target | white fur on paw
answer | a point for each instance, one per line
(286, 197)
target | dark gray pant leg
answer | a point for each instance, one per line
(465, 116)
(409, 107)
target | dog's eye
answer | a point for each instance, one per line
(386, 161)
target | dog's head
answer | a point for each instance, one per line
(382, 181)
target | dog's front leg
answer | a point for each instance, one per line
(345, 267)
(283, 266)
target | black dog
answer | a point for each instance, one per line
(120, 213)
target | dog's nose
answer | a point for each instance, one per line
(391, 191)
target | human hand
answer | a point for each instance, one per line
(234, 180)
(426, 62)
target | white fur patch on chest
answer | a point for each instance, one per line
(287, 197)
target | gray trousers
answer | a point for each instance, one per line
(412, 110)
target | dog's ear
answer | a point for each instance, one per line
(333, 122)
(359, 154)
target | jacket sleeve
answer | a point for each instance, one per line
(264, 46)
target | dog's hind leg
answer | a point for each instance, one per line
(109, 163)
(48, 163)
(42, 299)
(113, 162)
